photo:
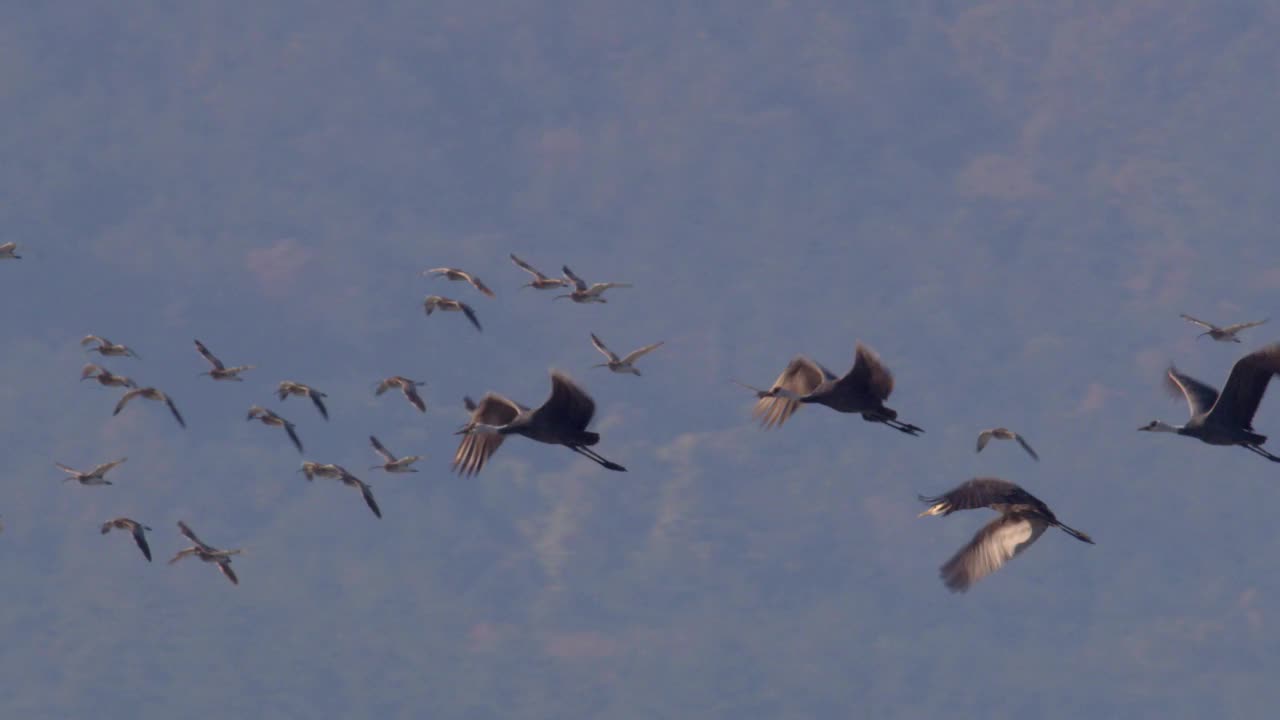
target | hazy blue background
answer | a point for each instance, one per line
(1011, 201)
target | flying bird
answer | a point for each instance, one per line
(1226, 418)
(220, 371)
(150, 393)
(622, 365)
(326, 470)
(561, 420)
(106, 348)
(540, 281)
(407, 386)
(584, 294)
(207, 553)
(137, 529)
(95, 476)
(288, 387)
(1222, 334)
(444, 304)
(1023, 519)
(267, 417)
(392, 463)
(8, 251)
(862, 390)
(104, 377)
(985, 436)
(456, 274)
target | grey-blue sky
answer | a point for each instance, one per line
(1010, 201)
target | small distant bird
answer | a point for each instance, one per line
(1222, 334)
(8, 251)
(540, 281)
(985, 436)
(267, 417)
(92, 477)
(346, 478)
(106, 348)
(456, 274)
(622, 365)
(407, 386)
(220, 371)
(1226, 418)
(150, 393)
(104, 377)
(288, 387)
(862, 390)
(207, 553)
(444, 304)
(137, 529)
(325, 470)
(561, 420)
(584, 294)
(393, 464)
(1023, 518)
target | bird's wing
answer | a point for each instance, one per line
(239, 369)
(225, 567)
(568, 405)
(868, 373)
(384, 385)
(984, 437)
(411, 392)
(174, 409)
(367, 493)
(603, 350)
(598, 288)
(475, 283)
(994, 545)
(1199, 396)
(578, 282)
(471, 315)
(800, 377)
(105, 467)
(979, 493)
(1245, 387)
(124, 399)
(1026, 446)
(188, 534)
(378, 448)
(139, 537)
(526, 267)
(89, 371)
(293, 435)
(65, 469)
(1201, 323)
(93, 339)
(184, 553)
(106, 526)
(315, 400)
(1242, 326)
(641, 352)
(476, 448)
(468, 403)
(8, 247)
(215, 362)
(284, 389)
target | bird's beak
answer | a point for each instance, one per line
(1144, 428)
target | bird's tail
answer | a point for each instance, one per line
(1076, 534)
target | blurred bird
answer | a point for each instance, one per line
(985, 436)
(407, 386)
(220, 371)
(622, 365)
(561, 420)
(288, 387)
(456, 274)
(150, 393)
(106, 348)
(540, 281)
(95, 476)
(1226, 418)
(207, 553)
(444, 304)
(326, 470)
(8, 251)
(137, 529)
(584, 294)
(862, 390)
(104, 377)
(1023, 518)
(1222, 334)
(392, 463)
(267, 417)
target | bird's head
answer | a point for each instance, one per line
(1158, 426)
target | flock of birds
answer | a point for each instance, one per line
(1217, 418)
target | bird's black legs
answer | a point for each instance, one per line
(1263, 453)
(907, 428)
(595, 457)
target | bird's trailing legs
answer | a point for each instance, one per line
(1263, 453)
(597, 458)
(907, 428)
